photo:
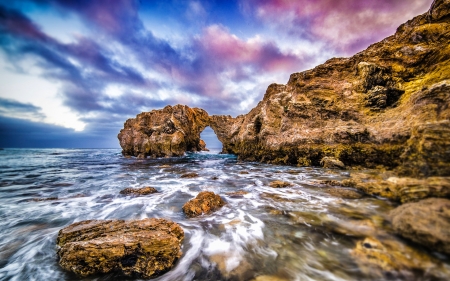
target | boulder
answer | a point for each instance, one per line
(138, 191)
(426, 222)
(143, 248)
(206, 202)
(332, 163)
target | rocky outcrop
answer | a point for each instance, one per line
(426, 222)
(170, 131)
(143, 248)
(385, 106)
(206, 202)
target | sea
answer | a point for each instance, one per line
(300, 232)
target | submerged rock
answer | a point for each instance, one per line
(138, 191)
(206, 202)
(189, 175)
(143, 248)
(391, 259)
(279, 184)
(403, 189)
(344, 193)
(426, 222)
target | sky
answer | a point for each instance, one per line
(72, 72)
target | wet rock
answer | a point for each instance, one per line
(332, 163)
(243, 173)
(391, 259)
(279, 184)
(357, 228)
(401, 189)
(243, 271)
(344, 193)
(237, 194)
(426, 222)
(138, 191)
(143, 248)
(189, 175)
(206, 202)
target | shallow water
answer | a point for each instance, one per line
(301, 232)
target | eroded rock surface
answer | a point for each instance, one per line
(143, 248)
(206, 202)
(426, 222)
(170, 131)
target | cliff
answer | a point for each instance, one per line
(385, 106)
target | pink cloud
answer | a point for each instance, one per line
(348, 25)
(228, 50)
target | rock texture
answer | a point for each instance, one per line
(143, 248)
(206, 202)
(426, 222)
(170, 131)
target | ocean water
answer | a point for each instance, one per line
(301, 232)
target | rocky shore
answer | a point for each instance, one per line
(382, 114)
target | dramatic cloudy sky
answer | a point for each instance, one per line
(72, 71)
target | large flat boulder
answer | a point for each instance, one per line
(143, 248)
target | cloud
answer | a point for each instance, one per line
(12, 108)
(348, 25)
(16, 132)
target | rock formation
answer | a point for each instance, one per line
(385, 106)
(205, 203)
(143, 248)
(170, 131)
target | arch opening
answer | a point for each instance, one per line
(211, 140)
